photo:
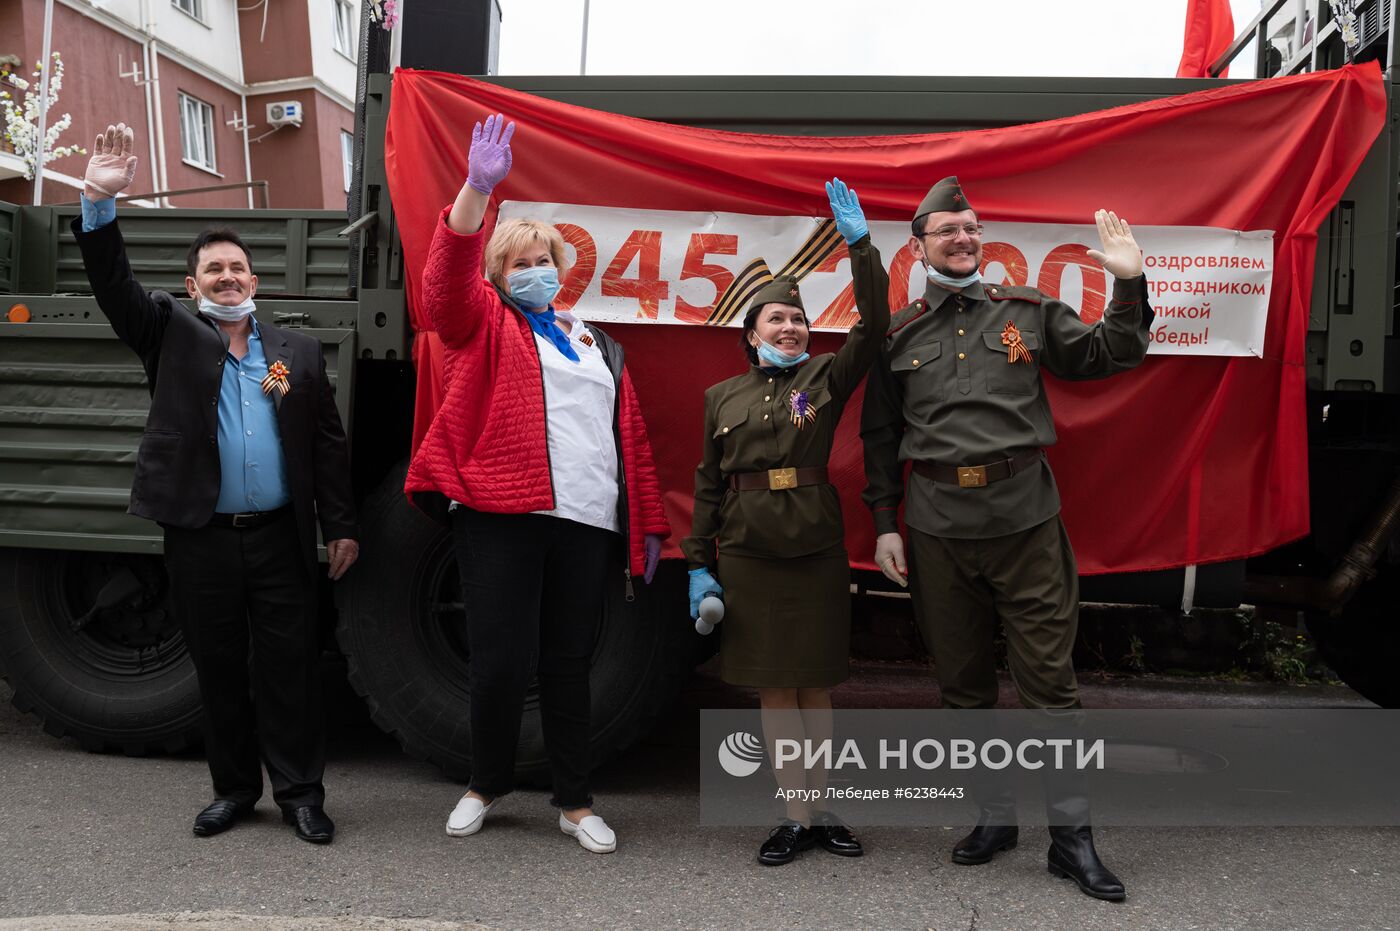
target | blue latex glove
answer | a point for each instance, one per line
(653, 546)
(845, 207)
(489, 159)
(701, 584)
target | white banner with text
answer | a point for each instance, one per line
(1209, 287)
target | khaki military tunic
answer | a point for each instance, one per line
(944, 392)
(780, 555)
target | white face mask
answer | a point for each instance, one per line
(223, 311)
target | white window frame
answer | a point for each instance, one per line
(191, 8)
(197, 141)
(347, 157)
(344, 26)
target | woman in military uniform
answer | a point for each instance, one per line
(767, 529)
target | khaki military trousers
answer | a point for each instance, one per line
(1028, 583)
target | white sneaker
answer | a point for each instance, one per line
(466, 818)
(593, 833)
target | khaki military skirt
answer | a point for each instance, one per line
(787, 622)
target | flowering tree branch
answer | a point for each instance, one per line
(22, 121)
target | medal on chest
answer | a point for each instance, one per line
(802, 411)
(1016, 350)
(276, 378)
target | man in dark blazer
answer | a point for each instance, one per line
(243, 453)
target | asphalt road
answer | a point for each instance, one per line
(85, 835)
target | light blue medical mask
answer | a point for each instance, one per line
(223, 311)
(534, 287)
(937, 277)
(772, 355)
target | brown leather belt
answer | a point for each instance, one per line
(978, 475)
(249, 520)
(778, 479)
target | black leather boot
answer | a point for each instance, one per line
(983, 842)
(1067, 809)
(1072, 856)
(996, 826)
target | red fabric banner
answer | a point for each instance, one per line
(1210, 28)
(1184, 460)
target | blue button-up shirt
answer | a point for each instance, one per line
(250, 446)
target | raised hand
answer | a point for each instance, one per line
(1121, 255)
(489, 158)
(112, 166)
(845, 208)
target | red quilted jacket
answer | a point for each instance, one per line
(486, 446)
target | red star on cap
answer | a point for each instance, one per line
(792, 293)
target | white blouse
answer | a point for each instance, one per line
(579, 399)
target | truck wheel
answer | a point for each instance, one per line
(402, 630)
(90, 646)
(1362, 644)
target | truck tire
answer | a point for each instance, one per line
(89, 645)
(402, 630)
(1362, 644)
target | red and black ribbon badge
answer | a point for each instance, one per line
(1016, 350)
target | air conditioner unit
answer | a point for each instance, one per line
(284, 113)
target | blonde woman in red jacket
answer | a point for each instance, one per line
(541, 448)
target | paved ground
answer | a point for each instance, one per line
(84, 835)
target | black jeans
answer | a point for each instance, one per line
(533, 587)
(248, 612)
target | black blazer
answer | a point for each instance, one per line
(177, 467)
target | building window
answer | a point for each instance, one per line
(347, 157)
(197, 132)
(193, 7)
(345, 27)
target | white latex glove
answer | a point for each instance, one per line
(889, 557)
(112, 166)
(1121, 255)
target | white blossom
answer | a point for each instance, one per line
(22, 121)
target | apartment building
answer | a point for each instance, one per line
(207, 85)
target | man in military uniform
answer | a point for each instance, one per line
(957, 392)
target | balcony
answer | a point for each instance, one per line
(11, 165)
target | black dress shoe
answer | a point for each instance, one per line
(835, 837)
(219, 817)
(1072, 856)
(984, 842)
(785, 842)
(312, 823)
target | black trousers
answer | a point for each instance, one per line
(248, 612)
(533, 587)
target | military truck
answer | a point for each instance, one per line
(88, 642)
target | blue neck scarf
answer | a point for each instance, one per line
(542, 322)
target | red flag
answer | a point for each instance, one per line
(1210, 28)
(1183, 460)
